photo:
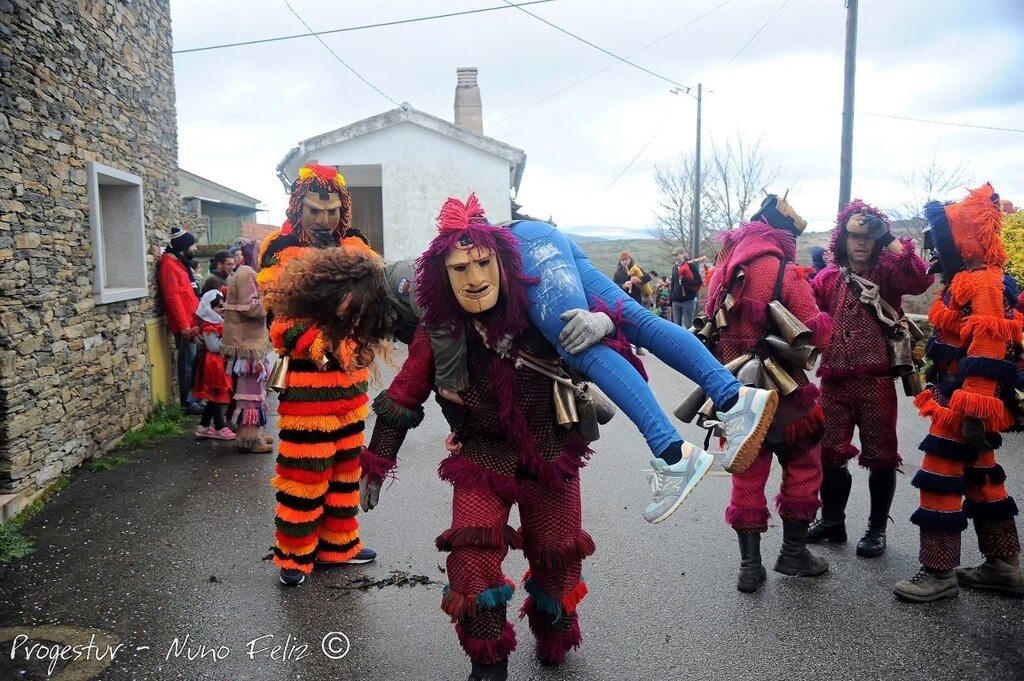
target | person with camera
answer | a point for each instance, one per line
(857, 384)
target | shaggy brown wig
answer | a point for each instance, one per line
(344, 292)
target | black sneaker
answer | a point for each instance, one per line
(292, 577)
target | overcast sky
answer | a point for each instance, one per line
(241, 109)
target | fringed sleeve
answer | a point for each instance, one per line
(987, 332)
(905, 273)
(400, 407)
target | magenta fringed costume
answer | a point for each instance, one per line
(795, 434)
(856, 386)
(512, 451)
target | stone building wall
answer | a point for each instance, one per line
(80, 80)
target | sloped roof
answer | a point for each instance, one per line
(212, 191)
(407, 114)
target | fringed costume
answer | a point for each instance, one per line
(506, 449)
(323, 406)
(755, 267)
(977, 335)
(795, 435)
(857, 387)
(246, 349)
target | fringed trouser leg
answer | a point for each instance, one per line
(477, 596)
(321, 424)
(555, 546)
(868, 403)
(991, 508)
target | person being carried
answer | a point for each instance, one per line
(591, 322)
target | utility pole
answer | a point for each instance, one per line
(846, 154)
(695, 236)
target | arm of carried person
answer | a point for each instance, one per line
(399, 408)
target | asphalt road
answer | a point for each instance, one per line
(166, 557)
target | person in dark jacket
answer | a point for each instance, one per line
(221, 266)
(685, 285)
(817, 259)
(631, 277)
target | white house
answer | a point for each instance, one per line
(402, 164)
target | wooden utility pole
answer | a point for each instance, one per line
(695, 236)
(846, 154)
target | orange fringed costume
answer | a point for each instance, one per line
(977, 335)
(321, 412)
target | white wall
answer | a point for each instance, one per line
(419, 170)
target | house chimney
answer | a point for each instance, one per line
(468, 111)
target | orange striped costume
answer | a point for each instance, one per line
(977, 335)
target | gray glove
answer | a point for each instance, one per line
(877, 229)
(369, 493)
(584, 329)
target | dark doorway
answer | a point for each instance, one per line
(368, 214)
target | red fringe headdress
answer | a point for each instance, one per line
(458, 224)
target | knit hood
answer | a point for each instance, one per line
(967, 233)
(839, 229)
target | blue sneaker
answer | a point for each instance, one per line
(364, 556)
(745, 426)
(292, 577)
(672, 483)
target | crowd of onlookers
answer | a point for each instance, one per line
(215, 339)
(672, 297)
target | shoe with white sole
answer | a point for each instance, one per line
(671, 483)
(745, 426)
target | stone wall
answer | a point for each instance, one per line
(80, 80)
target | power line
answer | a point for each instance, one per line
(352, 28)
(597, 47)
(340, 60)
(638, 154)
(754, 38)
(933, 122)
(599, 72)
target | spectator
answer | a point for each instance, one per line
(685, 285)
(180, 293)
(221, 267)
(663, 298)
(817, 259)
(633, 280)
(211, 380)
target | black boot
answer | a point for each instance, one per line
(882, 485)
(794, 558)
(489, 672)
(752, 572)
(835, 492)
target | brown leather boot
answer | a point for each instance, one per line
(1002, 575)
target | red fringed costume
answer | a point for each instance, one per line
(512, 452)
(795, 435)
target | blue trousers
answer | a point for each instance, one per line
(569, 280)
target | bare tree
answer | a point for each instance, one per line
(674, 216)
(929, 181)
(739, 171)
(732, 179)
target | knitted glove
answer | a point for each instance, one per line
(878, 230)
(369, 493)
(584, 329)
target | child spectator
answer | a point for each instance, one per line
(211, 382)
